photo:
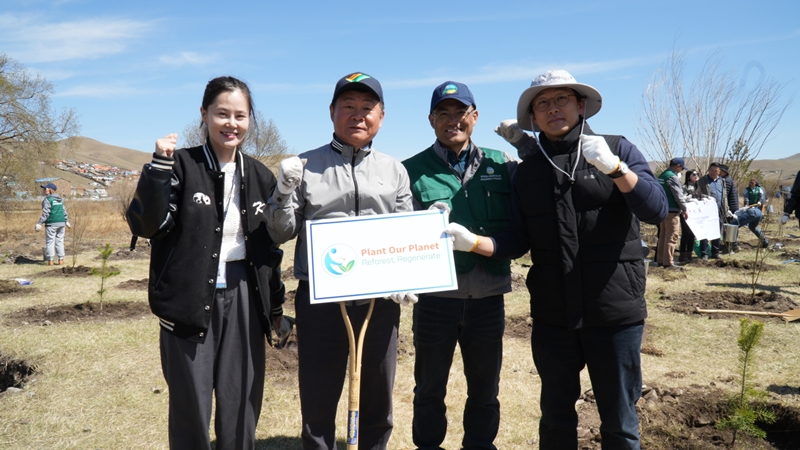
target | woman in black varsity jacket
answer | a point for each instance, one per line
(214, 272)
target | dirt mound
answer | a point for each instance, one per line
(282, 363)
(14, 373)
(518, 327)
(83, 312)
(68, 271)
(127, 255)
(731, 264)
(688, 302)
(9, 286)
(21, 259)
(134, 285)
(685, 419)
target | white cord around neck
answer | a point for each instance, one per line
(580, 146)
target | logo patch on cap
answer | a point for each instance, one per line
(356, 77)
(450, 89)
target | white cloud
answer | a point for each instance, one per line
(99, 91)
(187, 59)
(31, 40)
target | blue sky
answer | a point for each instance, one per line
(135, 71)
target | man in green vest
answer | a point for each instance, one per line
(54, 217)
(669, 228)
(475, 185)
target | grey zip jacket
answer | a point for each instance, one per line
(338, 181)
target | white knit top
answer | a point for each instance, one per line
(232, 234)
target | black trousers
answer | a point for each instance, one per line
(323, 349)
(228, 365)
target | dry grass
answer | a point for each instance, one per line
(96, 380)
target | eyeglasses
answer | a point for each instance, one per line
(543, 104)
(458, 116)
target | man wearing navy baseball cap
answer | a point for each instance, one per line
(670, 227)
(474, 184)
(343, 178)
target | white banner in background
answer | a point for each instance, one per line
(703, 218)
(355, 258)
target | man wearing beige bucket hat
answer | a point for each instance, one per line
(576, 204)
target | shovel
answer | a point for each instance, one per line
(789, 316)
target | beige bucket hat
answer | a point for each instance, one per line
(555, 79)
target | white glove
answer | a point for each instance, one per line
(784, 219)
(290, 175)
(38, 227)
(403, 298)
(440, 206)
(597, 153)
(729, 214)
(510, 131)
(68, 225)
(463, 239)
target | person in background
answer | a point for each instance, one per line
(754, 194)
(690, 193)
(732, 194)
(214, 272)
(54, 218)
(668, 231)
(713, 185)
(474, 183)
(344, 178)
(793, 199)
(576, 203)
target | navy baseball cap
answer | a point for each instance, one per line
(452, 89)
(677, 161)
(49, 186)
(359, 81)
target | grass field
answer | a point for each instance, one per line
(99, 382)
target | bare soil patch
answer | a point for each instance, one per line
(684, 419)
(14, 373)
(134, 285)
(518, 327)
(688, 302)
(68, 271)
(127, 255)
(84, 312)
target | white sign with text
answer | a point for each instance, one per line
(703, 218)
(356, 258)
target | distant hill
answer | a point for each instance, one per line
(88, 150)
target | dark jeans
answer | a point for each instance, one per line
(477, 325)
(612, 355)
(323, 349)
(686, 247)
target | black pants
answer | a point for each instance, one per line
(323, 349)
(686, 247)
(477, 326)
(228, 365)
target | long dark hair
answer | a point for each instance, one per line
(689, 174)
(219, 85)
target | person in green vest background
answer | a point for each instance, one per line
(475, 185)
(55, 218)
(754, 194)
(669, 228)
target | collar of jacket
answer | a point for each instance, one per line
(348, 150)
(443, 152)
(567, 144)
(213, 162)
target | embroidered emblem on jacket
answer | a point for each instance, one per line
(259, 206)
(201, 198)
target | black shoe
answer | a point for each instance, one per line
(716, 257)
(765, 243)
